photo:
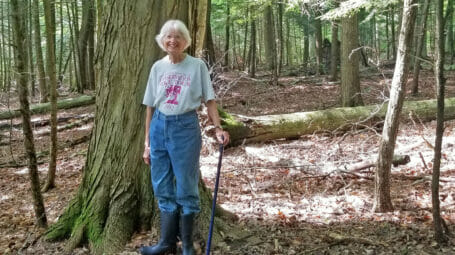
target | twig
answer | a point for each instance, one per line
(423, 160)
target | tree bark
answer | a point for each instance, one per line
(45, 107)
(19, 30)
(51, 70)
(39, 53)
(270, 43)
(382, 200)
(115, 196)
(334, 52)
(318, 45)
(248, 129)
(226, 45)
(252, 50)
(418, 53)
(440, 83)
(350, 82)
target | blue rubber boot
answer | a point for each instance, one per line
(168, 241)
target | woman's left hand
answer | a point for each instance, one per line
(222, 136)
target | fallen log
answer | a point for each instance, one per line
(45, 107)
(245, 129)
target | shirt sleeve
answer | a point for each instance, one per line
(149, 95)
(207, 89)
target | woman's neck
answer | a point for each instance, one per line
(176, 58)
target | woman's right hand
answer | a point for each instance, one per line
(146, 155)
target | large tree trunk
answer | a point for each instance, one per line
(19, 30)
(247, 129)
(382, 200)
(440, 83)
(87, 30)
(318, 44)
(115, 196)
(350, 82)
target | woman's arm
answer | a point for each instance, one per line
(221, 135)
(148, 117)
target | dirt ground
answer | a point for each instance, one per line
(291, 196)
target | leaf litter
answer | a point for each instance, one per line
(290, 196)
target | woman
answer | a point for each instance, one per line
(176, 86)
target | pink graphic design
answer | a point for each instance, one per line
(173, 92)
(174, 84)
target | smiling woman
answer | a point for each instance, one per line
(176, 86)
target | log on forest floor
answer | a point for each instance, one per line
(244, 129)
(45, 107)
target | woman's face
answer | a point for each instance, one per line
(174, 42)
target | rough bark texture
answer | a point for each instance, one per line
(51, 70)
(43, 108)
(382, 201)
(440, 83)
(350, 82)
(115, 196)
(87, 30)
(19, 30)
(245, 129)
(418, 53)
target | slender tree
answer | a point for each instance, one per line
(39, 53)
(19, 29)
(227, 27)
(51, 70)
(382, 200)
(270, 43)
(334, 52)
(438, 221)
(420, 35)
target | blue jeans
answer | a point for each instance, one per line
(175, 146)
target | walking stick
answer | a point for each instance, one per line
(215, 192)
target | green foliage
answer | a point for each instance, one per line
(350, 7)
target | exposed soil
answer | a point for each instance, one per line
(291, 196)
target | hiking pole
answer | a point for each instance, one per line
(215, 192)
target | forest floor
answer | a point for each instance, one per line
(290, 196)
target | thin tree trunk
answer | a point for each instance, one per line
(318, 44)
(440, 83)
(382, 200)
(306, 42)
(252, 51)
(30, 48)
(270, 43)
(245, 37)
(226, 43)
(62, 43)
(350, 82)
(420, 36)
(21, 60)
(51, 70)
(280, 35)
(39, 54)
(334, 52)
(288, 43)
(448, 21)
(392, 25)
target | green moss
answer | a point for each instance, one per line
(63, 227)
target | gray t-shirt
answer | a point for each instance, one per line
(178, 88)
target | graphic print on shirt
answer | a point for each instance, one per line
(175, 84)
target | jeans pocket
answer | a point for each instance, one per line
(188, 123)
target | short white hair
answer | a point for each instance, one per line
(173, 24)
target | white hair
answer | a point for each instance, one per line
(173, 24)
